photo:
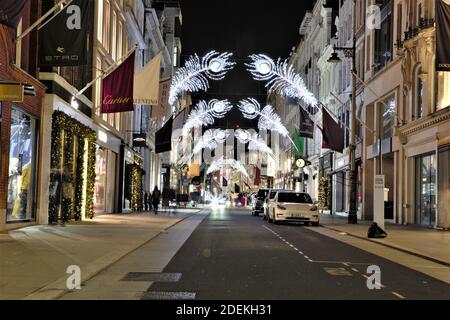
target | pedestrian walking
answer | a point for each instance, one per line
(156, 197)
(146, 201)
(149, 202)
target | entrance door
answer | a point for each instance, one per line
(426, 190)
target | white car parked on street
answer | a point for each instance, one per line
(288, 206)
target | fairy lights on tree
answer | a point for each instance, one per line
(196, 73)
(281, 77)
(205, 113)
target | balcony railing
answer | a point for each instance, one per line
(423, 24)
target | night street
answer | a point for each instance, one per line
(234, 256)
(182, 153)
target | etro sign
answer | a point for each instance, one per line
(64, 37)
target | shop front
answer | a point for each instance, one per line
(19, 157)
(22, 164)
(131, 174)
(72, 170)
(426, 189)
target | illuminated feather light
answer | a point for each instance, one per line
(196, 73)
(281, 77)
(210, 140)
(255, 143)
(268, 119)
(205, 113)
(219, 164)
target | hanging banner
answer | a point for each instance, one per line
(146, 83)
(442, 35)
(161, 109)
(117, 93)
(333, 134)
(306, 128)
(11, 11)
(63, 40)
(163, 138)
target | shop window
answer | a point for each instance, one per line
(426, 192)
(100, 180)
(22, 167)
(388, 114)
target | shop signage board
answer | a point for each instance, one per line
(378, 200)
(11, 92)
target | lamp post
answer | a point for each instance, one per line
(350, 53)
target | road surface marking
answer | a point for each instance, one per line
(338, 272)
(377, 283)
(398, 295)
(354, 269)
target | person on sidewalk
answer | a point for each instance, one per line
(156, 197)
(146, 201)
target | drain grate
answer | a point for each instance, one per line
(157, 295)
(152, 277)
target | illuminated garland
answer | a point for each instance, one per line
(196, 73)
(324, 193)
(72, 129)
(136, 192)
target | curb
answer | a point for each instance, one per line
(416, 254)
(53, 290)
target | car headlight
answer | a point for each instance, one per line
(281, 207)
(314, 208)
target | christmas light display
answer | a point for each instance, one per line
(268, 120)
(281, 77)
(196, 73)
(205, 113)
(219, 164)
(210, 140)
(255, 143)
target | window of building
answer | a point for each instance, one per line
(443, 90)
(114, 37)
(388, 108)
(426, 189)
(119, 40)
(175, 56)
(21, 198)
(420, 98)
(100, 21)
(107, 25)
(383, 37)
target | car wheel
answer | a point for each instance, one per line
(306, 224)
(315, 224)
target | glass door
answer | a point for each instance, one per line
(426, 190)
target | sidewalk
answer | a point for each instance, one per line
(430, 244)
(34, 260)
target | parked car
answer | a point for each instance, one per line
(269, 198)
(290, 206)
(258, 202)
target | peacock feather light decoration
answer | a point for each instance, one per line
(196, 73)
(268, 119)
(219, 164)
(255, 142)
(281, 77)
(205, 113)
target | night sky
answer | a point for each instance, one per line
(242, 27)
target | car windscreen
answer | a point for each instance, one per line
(262, 194)
(294, 198)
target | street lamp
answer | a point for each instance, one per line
(350, 53)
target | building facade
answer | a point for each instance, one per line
(21, 132)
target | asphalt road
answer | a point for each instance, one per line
(233, 255)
